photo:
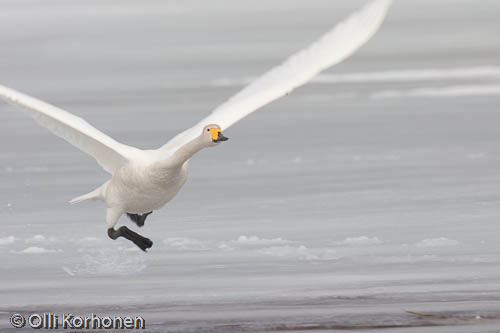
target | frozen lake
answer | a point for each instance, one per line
(373, 190)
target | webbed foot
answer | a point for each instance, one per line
(142, 242)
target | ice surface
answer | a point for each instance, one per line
(300, 252)
(36, 250)
(327, 209)
(7, 240)
(402, 75)
(361, 240)
(183, 243)
(442, 92)
(437, 242)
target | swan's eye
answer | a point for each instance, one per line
(208, 130)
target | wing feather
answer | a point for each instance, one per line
(109, 153)
(333, 47)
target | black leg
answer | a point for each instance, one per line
(134, 217)
(142, 242)
(138, 219)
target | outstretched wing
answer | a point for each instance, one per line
(109, 153)
(333, 47)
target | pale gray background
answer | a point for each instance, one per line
(361, 202)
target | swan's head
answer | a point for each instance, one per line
(213, 134)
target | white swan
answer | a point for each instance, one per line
(145, 180)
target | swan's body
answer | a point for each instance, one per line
(149, 182)
(142, 189)
(145, 180)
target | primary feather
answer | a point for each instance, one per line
(109, 153)
(333, 47)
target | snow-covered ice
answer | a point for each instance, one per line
(183, 243)
(437, 242)
(361, 240)
(37, 250)
(372, 190)
(7, 240)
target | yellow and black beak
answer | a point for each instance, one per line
(217, 135)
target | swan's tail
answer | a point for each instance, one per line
(97, 194)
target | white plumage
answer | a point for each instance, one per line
(145, 180)
(109, 153)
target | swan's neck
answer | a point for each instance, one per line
(184, 153)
